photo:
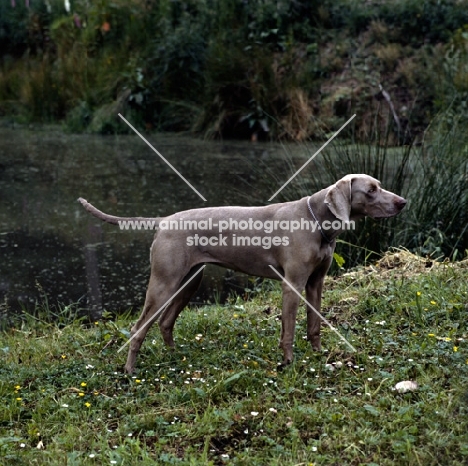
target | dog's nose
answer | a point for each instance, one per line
(400, 203)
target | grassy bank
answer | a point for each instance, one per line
(219, 399)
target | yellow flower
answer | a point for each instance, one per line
(81, 394)
(236, 315)
(137, 381)
(87, 404)
(455, 349)
(83, 384)
(431, 334)
(433, 303)
(17, 387)
(245, 346)
(19, 399)
(96, 323)
(64, 356)
(447, 339)
(418, 293)
(414, 334)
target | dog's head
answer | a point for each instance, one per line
(356, 196)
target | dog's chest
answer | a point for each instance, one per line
(323, 255)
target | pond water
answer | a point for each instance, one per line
(52, 249)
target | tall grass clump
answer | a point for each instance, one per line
(431, 175)
(438, 191)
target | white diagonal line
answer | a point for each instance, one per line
(313, 308)
(310, 160)
(162, 307)
(160, 155)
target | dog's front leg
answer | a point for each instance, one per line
(288, 322)
(314, 288)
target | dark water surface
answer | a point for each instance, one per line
(50, 247)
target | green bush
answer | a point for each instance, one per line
(231, 68)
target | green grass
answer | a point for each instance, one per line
(219, 399)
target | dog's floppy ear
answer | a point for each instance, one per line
(338, 199)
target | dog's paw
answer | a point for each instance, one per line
(284, 364)
(315, 342)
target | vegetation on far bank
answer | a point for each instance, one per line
(227, 68)
(219, 399)
(272, 69)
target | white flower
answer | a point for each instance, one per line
(254, 413)
(273, 410)
(406, 386)
(22, 445)
(92, 455)
(64, 405)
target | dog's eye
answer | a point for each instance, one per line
(372, 190)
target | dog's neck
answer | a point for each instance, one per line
(323, 214)
(318, 224)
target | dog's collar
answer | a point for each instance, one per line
(324, 236)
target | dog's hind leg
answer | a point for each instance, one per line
(154, 301)
(170, 314)
(158, 294)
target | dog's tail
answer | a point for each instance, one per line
(112, 218)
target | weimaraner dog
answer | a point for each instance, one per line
(296, 238)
